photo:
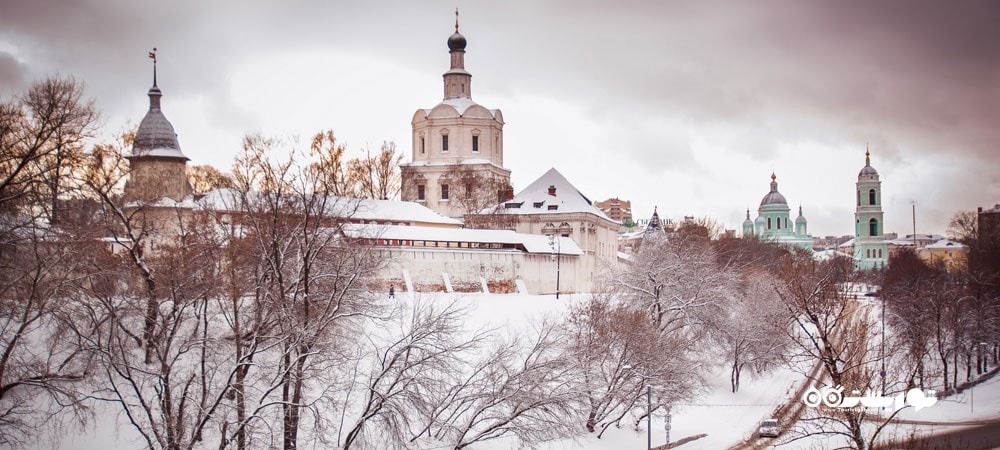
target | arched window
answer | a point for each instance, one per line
(778, 223)
(768, 223)
(871, 197)
(873, 227)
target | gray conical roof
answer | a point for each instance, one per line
(156, 136)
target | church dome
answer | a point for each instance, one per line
(867, 169)
(774, 197)
(456, 41)
(156, 136)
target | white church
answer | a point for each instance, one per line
(554, 241)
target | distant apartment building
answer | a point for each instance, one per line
(988, 223)
(616, 209)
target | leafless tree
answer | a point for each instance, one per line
(835, 332)
(963, 226)
(376, 176)
(750, 330)
(204, 178)
(42, 136)
(310, 276)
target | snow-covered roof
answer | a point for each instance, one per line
(535, 199)
(849, 243)
(824, 255)
(155, 135)
(461, 105)
(946, 244)
(355, 209)
(532, 243)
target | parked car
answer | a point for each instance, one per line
(769, 428)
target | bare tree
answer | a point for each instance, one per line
(376, 176)
(963, 226)
(42, 136)
(205, 178)
(836, 333)
(750, 329)
(311, 276)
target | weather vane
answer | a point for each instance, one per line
(152, 55)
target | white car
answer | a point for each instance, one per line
(769, 428)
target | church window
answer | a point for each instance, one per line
(868, 253)
(871, 197)
(444, 143)
(873, 227)
(768, 223)
(463, 88)
(475, 143)
(421, 192)
(444, 191)
(778, 223)
(859, 197)
(422, 145)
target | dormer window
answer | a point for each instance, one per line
(538, 204)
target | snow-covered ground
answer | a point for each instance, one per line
(726, 418)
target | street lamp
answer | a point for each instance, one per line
(649, 409)
(556, 245)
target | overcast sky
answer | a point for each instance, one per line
(688, 106)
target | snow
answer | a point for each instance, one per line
(532, 243)
(567, 198)
(726, 418)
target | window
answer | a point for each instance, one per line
(553, 207)
(768, 223)
(859, 198)
(873, 227)
(871, 197)
(421, 192)
(422, 145)
(779, 223)
(444, 191)
(444, 143)
(475, 143)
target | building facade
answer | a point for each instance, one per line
(773, 221)
(870, 247)
(616, 209)
(456, 163)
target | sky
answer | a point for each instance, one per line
(686, 106)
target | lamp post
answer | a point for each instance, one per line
(649, 408)
(556, 245)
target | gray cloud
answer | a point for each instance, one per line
(913, 78)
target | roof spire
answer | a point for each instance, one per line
(456, 19)
(868, 159)
(152, 55)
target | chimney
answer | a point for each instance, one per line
(552, 190)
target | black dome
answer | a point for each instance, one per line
(456, 42)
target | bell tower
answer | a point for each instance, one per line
(870, 248)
